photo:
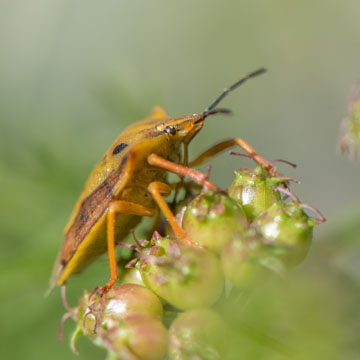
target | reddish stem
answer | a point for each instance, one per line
(288, 178)
(64, 300)
(91, 295)
(61, 326)
(129, 246)
(284, 161)
(138, 245)
(287, 192)
(241, 154)
(321, 218)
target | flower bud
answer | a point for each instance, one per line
(197, 334)
(212, 219)
(288, 229)
(247, 262)
(254, 191)
(116, 304)
(184, 275)
(140, 337)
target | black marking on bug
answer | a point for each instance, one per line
(63, 262)
(170, 130)
(119, 148)
(84, 217)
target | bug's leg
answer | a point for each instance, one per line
(157, 189)
(216, 149)
(185, 162)
(211, 152)
(126, 207)
(158, 219)
(258, 158)
(195, 175)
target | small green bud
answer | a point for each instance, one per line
(349, 139)
(132, 276)
(185, 276)
(254, 190)
(288, 228)
(212, 219)
(131, 299)
(126, 320)
(88, 315)
(247, 262)
(139, 337)
(197, 334)
(119, 302)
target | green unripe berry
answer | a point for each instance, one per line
(212, 219)
(131, 299)
(185, 276)
(139, 337)
(254, 191)
(197, 334)
(126, 320)
(119, 302)
(349, 140)
(288, 228)
(132, 276)
(247, 262)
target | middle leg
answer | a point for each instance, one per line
(157, 189)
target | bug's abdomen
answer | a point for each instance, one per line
(95, 244)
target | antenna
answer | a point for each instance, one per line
(231, 88)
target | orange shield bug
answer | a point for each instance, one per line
(131, 175)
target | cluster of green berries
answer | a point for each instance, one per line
(349, 135)
(255, 230)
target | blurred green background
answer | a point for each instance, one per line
(75, 73)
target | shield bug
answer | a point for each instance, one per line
(129, 180)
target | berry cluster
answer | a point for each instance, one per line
(349, 134)
(166, 305)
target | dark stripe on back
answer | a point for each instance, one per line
(91, 210)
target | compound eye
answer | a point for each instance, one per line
(170, 130)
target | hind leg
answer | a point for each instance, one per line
(126, 207)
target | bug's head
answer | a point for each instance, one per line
(184, 128)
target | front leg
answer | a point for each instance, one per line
(216, 149)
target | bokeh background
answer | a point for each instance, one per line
(75, 73)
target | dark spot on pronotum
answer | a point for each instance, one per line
(170, 130)
(119, 148)
(63, 262)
